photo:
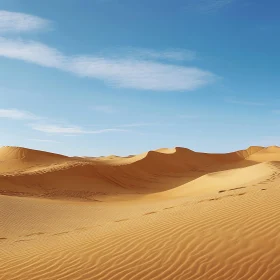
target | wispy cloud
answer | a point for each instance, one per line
(125, 73)
(149, 54)
(43, 140)
(19, 22)
(39, 124)
(244, 102)
(56, 129)
(144, 75)
(207, 6)
(104, 109)
(16, 114)
(32, 52)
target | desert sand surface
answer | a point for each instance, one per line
(165, 214)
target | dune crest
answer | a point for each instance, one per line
(17, 158)
(19, 153)
(26, 172)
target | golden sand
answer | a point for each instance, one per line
(165, 214)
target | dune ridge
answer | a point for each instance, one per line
(10, 152)
(27, 172)
(165, 214)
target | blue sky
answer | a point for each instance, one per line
(122, 77)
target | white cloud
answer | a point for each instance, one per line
(16, 114)
(19, 22)
(56, 129)
(32, 52)
(145, 75)
(125, 73)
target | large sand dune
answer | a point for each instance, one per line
(164, 214)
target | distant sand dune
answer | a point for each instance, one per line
(26, 172)
(165, 214)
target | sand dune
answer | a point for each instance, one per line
(16, 159)
(165, 214)
(25, 172)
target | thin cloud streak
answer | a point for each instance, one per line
(124, 73)
(149, 54)
(43, 140)
(242, 102)
(16, 114)
(66, 130)
(19, 22)
(56, 129)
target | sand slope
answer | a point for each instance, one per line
(165, 214)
